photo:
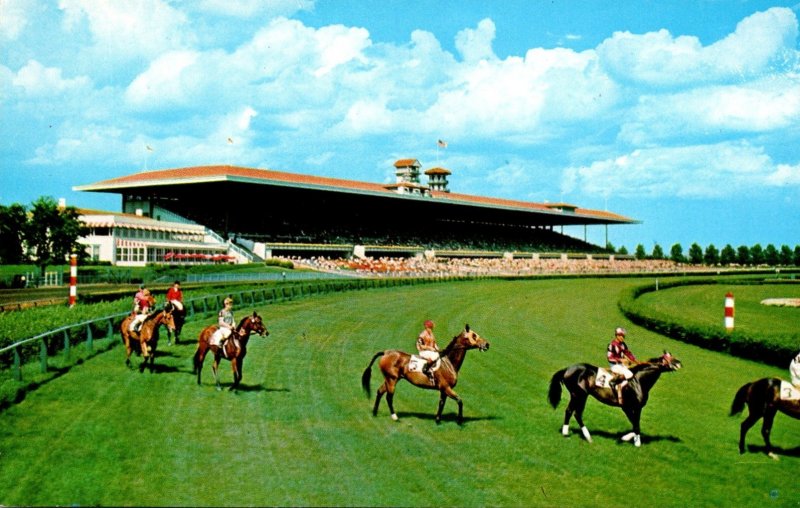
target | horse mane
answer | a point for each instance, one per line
(241, 322)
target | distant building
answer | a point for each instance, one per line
(133, 240)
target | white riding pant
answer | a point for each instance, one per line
(621, 370)
(794, 370)
(177, 304)
(218, 336)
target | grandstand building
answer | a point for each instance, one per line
(279, 213)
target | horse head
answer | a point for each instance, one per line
(665, 362)
(468, 339)
(253, 324)
(167, 319)
(669, 362)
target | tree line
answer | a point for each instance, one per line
(43, 233)
(743, 255)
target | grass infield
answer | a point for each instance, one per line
(300, 431)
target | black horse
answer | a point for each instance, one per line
(179, 316)
(763, 398)
(581, 381)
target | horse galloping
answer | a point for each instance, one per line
(145, 341)
(395, 365)
(763, 399)
(581, 381)
(231, 352)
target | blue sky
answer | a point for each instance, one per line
(683, 114)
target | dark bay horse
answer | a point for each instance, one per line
(394, 365)
(179, 316)
(145, 341)
(580, 380)
(763, 399)
(235, 355)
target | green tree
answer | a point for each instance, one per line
(797, 255)
(743, 255)
(695, 254)
(728, 255)
(658, 252)
(12, 224)
(771, 256)
(51, 233)
(622, 250)
(757, 254)
(676, 253)
(785, 256)
(640, 253)
(711, 256)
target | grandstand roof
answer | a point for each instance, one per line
(150, 181)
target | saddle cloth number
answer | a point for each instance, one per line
(417, 363)
(603, 378)
(789, 391)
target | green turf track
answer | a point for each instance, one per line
(300, 432)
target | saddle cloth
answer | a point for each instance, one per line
(417, 363)
(789, 391)
(603, 378)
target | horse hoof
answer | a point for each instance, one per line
(565, 430)
(627, 437)
(586, 435)
(394, 417)
(773, 456)
(637, 441)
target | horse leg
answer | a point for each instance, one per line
(577, 403)
(214, 367)
(751, 420)
(390, 386)
(236, 376)
(199, 358)
(378, 396)
(634, 415)
(766, 429)
(448, 392)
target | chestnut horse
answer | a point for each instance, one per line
(763, 399)
(580, 380)
(236, 356)
(145, 341)
(394, 365)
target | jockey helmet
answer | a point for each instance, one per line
(429, 324)
(620, 331)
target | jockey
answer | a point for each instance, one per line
(618, 349)
(141, 306)
(226, 324)
(427, 347)
(175, 295)
(794, 370)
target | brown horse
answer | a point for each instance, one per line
(763, 399)
(395, 365)
(235, 355)
(145, 341)
(581, 381)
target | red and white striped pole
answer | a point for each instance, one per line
(729, 311)
(73, 279)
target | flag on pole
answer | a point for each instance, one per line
(441, 144)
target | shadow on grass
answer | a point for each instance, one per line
(446, 417)
(646, 438)
(777, 450)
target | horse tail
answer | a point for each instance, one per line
(367, 375)
(554, 395)
(740, 399)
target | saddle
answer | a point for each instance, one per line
(604, 378)
(418, 363)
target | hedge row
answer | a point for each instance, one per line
(769, 350)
